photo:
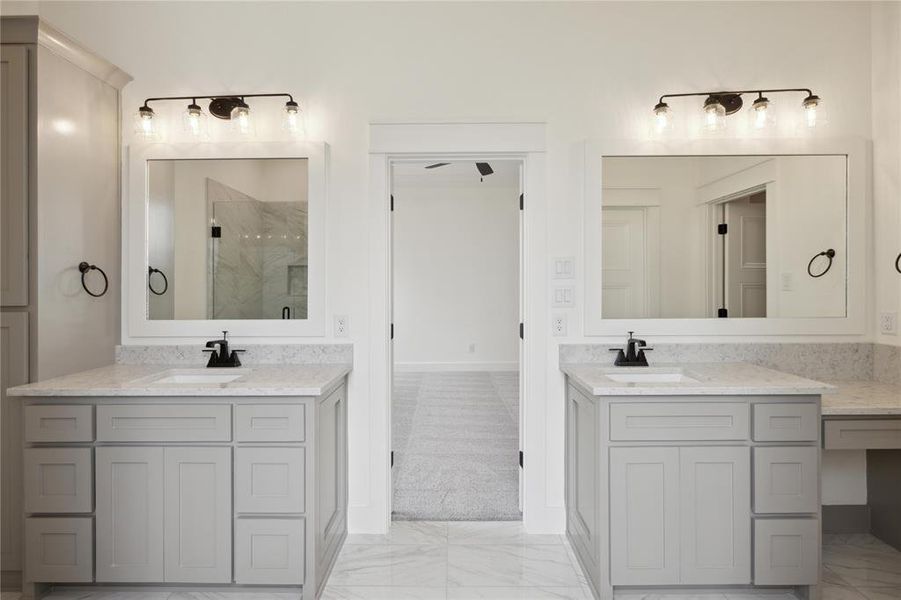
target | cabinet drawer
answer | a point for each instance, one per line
(58, 423)
(269, 551)
(269, 480)
(164, 423)
(786, 551)
(59, 550)
(269, 422)
(672, 421)
(862, 434)
(794, 422)
(58, 480)
(786, 480)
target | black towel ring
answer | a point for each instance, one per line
(830, 254)
(898, 263)
(151, 271)
(84, 268)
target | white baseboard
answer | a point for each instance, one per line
(425, 367)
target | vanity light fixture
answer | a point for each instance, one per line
(718, 105)
(145, 126)
(194, 121)
(228, 107)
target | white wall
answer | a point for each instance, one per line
(456, 277)
(588, 70)
(886, 91)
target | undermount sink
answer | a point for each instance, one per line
(197, 376)
(650, 378)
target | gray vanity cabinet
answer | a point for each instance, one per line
(660, 490)
(186, 490)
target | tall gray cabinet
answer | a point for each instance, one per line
(59, 205)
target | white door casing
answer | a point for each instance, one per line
(542, 429)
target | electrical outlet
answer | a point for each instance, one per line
(558, 325)
(472, 348)
(341, 326)
(888, 323)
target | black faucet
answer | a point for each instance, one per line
(631, 358)
(222, 358)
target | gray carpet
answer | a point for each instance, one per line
(455, 442)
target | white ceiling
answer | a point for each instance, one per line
(457, 173)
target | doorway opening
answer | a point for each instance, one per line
(456, 244)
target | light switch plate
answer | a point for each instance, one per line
(563, 296)
(563, 267)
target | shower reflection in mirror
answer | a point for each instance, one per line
(231, 236)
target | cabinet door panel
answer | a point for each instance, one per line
(14, 176)
(198, 490)
(331, 484)
(58, 480)
(59, 550)
(716, 515)
(644, 527)
(13, 371)
(129, 514)
(786, 479)
(269, 480)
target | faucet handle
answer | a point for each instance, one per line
(224, 334)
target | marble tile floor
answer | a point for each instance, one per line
(459, 560)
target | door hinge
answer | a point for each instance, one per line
(392, 458)
(521, 331)
(216, 231)
(521, 202)
(520, 458)
(722, 313)
(392, 331)
(392, 202)
(722, 229)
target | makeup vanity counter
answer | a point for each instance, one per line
(694, 475)
(148, 475)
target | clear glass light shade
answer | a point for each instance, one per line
(761, 115)
(145, 126)
(663, 118)
(194, 122)
(714, 116)
(241, 121)
(814, 112)
(293, 121)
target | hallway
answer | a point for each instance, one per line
(455, 446)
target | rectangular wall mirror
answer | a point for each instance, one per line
(227, 239)
(723, 236)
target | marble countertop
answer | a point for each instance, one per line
(863, 398)
(139, 380)
(705, 379)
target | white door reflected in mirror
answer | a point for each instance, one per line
(723, 236)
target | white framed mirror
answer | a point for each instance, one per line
(225, 237)
(725, 237)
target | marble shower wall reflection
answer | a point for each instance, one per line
(258, 265)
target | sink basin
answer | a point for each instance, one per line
(197, 376)
(650, 378)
